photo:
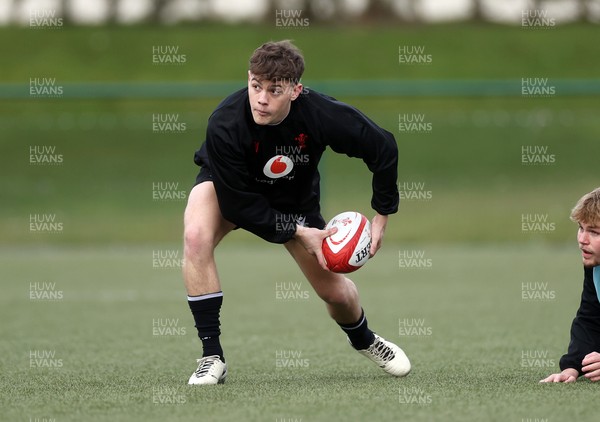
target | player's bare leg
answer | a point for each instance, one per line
(341, 298)
(204, 228)
(338, 292)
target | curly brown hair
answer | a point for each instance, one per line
(277, 60)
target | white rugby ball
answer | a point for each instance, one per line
(348, 249)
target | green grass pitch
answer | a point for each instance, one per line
(479, 347)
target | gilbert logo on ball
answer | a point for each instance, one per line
(278, 166)
(348, 249)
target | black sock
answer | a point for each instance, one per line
(359, 334)
(206, 310)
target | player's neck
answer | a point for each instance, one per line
(284, 117)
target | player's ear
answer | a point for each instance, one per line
(297, 91)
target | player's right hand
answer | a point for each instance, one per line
(312, 240)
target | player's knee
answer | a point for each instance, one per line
(335, 298)
(339, 296)
(198, 240)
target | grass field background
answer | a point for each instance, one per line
(467, 366)
(475, 360)
(470, 160)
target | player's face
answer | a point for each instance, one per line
(588, 238)
(270, 101)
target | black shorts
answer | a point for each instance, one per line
(310, 219)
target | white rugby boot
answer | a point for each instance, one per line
(211, 370)
(388, 356)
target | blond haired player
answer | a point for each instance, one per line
(583, 355)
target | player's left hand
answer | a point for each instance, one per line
(377, 230)
(591, 366)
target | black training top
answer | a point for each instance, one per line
(263, 172)
(585, 329)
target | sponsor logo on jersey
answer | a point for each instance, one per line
(278, 166)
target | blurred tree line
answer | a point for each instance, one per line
(318, 10)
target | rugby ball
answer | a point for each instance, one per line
(348, 249)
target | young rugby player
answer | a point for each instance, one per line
(258, 169)
(583, 357)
